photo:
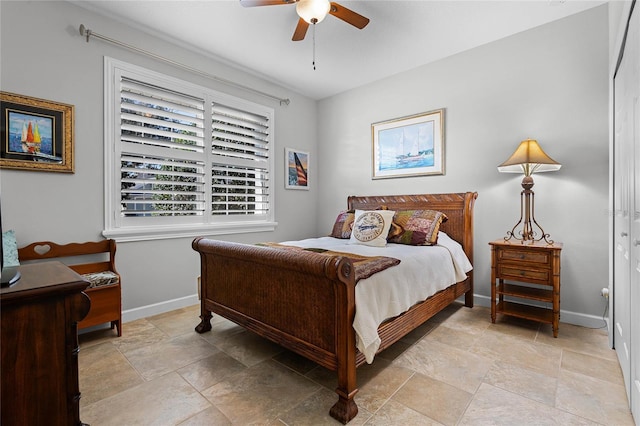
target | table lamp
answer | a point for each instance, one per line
(529, 158)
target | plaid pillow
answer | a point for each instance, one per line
(343, 224)
(419, 227)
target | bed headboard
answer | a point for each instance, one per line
(457, 206)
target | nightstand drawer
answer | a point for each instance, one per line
(516, 273)
(539, 257)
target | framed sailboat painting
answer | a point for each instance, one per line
(296, 169)
(409, 146)
(36, 134)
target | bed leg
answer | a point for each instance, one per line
(345, 409)
(205, 323)
(468, 299)
(468, 296)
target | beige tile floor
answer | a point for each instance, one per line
(456, 369)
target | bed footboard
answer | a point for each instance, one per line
(302, 300)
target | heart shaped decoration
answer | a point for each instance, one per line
(42, 249)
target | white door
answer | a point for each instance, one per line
(623, 124)
(626, 259)
(633, 49)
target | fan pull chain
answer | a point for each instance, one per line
(314, 46)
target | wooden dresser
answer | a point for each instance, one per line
(526, 273)
(39, 317)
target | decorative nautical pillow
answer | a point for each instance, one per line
(395, 229)
(419, 227)
(343, 224)
(371, 227)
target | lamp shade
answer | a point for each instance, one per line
(313, 11)
(529, 158)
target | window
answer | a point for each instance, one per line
(183, 160)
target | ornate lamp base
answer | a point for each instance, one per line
(527, 218)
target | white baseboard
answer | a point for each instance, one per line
(583, 320)
(159, 308)
(568, 317)
(148, 311)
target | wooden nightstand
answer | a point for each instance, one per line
(533, 274)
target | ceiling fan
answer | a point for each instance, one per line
(313, 12)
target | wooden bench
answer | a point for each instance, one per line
(95, 260)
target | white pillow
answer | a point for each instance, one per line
(371, 227)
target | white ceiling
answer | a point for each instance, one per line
(401, 35)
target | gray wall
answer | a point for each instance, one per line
(50, 60)
(550, 84)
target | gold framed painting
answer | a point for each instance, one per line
(36, 134)
(409, 146)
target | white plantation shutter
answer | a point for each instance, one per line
(162, 141)
(183, 159)
(240, 162)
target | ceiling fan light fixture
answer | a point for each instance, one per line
(313, 11)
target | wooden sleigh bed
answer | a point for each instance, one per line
(305, 301)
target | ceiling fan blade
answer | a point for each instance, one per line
(301, 30)
(348, 16)
(254, 3)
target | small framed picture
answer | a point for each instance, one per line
(296, 169)
(409, 146)
(36, 134)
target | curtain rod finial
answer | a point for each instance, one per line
(85, 31)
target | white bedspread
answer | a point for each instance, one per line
(422, 272)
